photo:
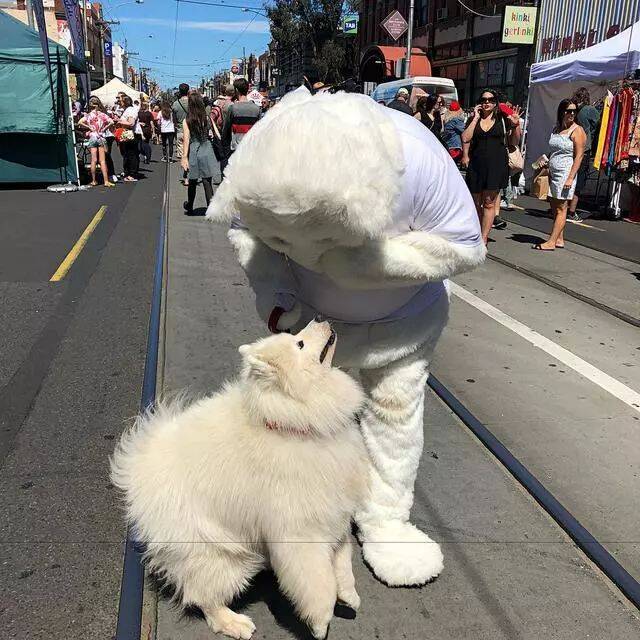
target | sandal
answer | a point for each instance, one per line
(538, 247)
(109, 184)
(93, 184)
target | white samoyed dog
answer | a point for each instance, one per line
(267, 472)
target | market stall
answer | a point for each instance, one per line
(108, 92)
(594, 68)
(36, 133)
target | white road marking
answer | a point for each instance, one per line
(603, 380)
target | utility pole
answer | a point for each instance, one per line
(407, 71)
(29, 7)
(86, 36)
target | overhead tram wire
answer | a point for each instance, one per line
(175, 39)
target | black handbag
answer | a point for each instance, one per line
(216, 141)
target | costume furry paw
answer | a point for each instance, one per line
(399, 554)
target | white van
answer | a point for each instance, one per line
(441, 86)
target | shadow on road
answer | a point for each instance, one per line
(525, 238)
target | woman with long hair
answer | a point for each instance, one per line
(428, 112)
(97, 123)
(198, 157)
(167, 126)
(128, 143)
(145, 131)
(566, 145)
(485, 141)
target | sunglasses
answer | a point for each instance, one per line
(570, 110)
(487, 100)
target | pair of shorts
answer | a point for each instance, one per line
(583, 173)
(95, 143)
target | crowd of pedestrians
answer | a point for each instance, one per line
(480, 143)
(483, 142)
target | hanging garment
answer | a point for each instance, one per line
(622, 141)
(634, 135)
(607, 138)
(614, 135)
(597, 161)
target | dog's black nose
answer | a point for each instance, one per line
(319, 318)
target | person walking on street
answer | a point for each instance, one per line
(167, 131)
(566, 146)
(401, 102)
(179, 108)
(452, 130)
(198, 158)
(128, 143)
(588, 117)
(145, 125)
(238, 120)
(97, 122)
(485, 154)
(428, 112)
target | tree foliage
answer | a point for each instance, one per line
(298, 24)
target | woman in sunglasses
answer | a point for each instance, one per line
(566, 145)
(485, 142)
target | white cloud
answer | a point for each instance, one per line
(254, 27)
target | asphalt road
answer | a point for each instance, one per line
(615, 237)
(71, 369)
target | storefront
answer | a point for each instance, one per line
(470, 51)
(562, 31)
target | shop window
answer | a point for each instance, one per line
(510, 70)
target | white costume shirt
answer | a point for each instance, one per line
(434, 198)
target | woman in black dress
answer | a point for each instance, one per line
(428, 112)
(485, 140)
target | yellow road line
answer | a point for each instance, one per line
(66, 264)
(588, 226)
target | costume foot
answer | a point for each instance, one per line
(399, 554)
(230, 623)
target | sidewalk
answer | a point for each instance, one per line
(509, 573)
(616, 237)
(603, 278)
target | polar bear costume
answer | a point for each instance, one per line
(342, 207)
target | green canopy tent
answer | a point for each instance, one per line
(36, 133)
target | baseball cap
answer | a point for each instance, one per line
(402, 92)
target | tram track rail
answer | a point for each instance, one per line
(616, 313)
(129, 621)
(130, 609)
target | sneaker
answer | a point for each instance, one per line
(164, 159)
(187, 209)
(503, 204)
(114, 178)
(499, 223)
(574, 216)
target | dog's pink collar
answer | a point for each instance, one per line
(274, 426)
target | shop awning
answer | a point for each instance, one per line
(379, 62)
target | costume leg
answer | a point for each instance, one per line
(392, 426)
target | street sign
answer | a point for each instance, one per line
(395, 25)
(108, 51)
(519, 25)
(350, 25)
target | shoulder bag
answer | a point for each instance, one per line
(516, 161)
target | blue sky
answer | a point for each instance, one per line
(207, 36)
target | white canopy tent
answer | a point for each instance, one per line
(108, 92)
(593, 68)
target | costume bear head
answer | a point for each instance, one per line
(316, 172)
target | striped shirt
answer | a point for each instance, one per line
(238, 119)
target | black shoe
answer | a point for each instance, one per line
(499, 223)
(188, 210)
